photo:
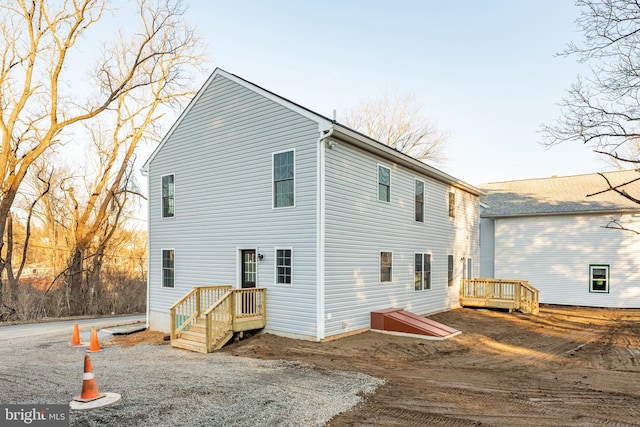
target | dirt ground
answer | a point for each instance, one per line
(565, 367)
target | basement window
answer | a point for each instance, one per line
(599, 278)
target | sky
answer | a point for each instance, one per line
(486, 71)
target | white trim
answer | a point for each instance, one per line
(162, 286)
(380, 265)
(424, 201)
(608, 280)
(162, 217)
(273, 179)
(455, 204)
(378, 182)
(320, 232)
(275, 266)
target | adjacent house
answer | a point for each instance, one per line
(250, 189)
(564, 235)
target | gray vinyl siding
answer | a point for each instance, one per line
(359, 226)
(487, 247)
(221, 156)
(554, 253)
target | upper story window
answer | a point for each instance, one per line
(419, 201)
(168, 271)
(284, 179)
(384, 183)
(452, 205)
(168, 194)
(386, 267)
(599, 278)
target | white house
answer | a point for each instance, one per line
(250, 189)
(551, 233)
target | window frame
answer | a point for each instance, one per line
(277, 266)
(452, 204)
(380, 272)
(607, 281)
(273, 179)
(379, 183)
(172, 196)
(425, 274)
(163, 268)
(450, 270)
(415, 200)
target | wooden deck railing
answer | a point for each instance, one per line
(222, 310)
(187, 309)
(500, 293)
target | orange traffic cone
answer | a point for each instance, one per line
(94, 347)
(75, 338)
(89, 385)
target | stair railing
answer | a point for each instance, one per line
(188, 308)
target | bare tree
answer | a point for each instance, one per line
(396, 119)
(603, 109)
(40, 105)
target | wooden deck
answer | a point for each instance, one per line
(500, 293)
(208, 317)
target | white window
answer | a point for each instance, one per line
(283, 266)
(284, 179)
(419, 201)
(599, 278)
(449, 270)
(452, 205)
(384, 183)
(422, 271)
(386, 267)
(168, 195)
(168, 268)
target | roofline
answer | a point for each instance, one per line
(323, 122)
(371, 145)
(591, 212)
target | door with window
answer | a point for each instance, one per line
(248, 280)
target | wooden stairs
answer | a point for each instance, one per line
(208, 317)
(195, 339)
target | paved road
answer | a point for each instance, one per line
(66, 326)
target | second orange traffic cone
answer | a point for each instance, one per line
(89, 384)
(75, 338)
(94, 346)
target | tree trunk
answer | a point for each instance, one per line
(13, 281)
(94, 281)
(75, 282)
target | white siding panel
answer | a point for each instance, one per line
(359, 226)
(221, 155)
(487, 247)
(554, 254)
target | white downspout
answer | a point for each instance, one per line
(320, 235)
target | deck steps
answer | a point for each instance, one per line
(189, 345)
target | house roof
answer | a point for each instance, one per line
(330, 127)
(562, 195)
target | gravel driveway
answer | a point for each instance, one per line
(161, 386)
